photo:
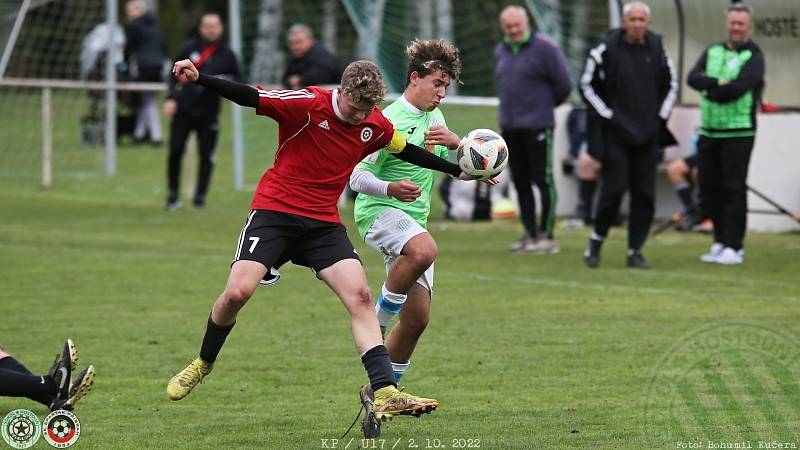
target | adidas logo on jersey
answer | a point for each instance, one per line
(324, 125)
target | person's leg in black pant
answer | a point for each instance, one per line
(207, 146)
(735, 163)
(179, 132)
(542, 161)
(615, 182)
(709, 165)
(641, 181)
(17, 381)
(520, 161)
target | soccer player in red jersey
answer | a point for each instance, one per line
(322, 135)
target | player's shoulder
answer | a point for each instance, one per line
(379, 117)
(318, 91)
(394, 106)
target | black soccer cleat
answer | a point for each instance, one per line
(591, 256)
(371, 426)
(79, 387)
(61, 371)
(636, 260)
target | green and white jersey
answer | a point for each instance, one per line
(413, 123)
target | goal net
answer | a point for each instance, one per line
(47, 47)
(380, 30)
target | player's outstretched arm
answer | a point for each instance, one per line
(239, 93)
(423, 158)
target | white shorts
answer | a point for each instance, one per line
(389, 234)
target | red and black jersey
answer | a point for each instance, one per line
(316, 153)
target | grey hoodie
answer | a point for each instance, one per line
(530, 83)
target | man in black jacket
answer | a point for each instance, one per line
(629, 84)
(311, 64)
(192, 107)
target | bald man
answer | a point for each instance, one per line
(311, 64)
(532, 78)
(630, 86)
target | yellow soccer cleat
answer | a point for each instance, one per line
(390, 402)
(182, 384)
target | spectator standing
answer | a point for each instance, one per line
(311, 64)
(195, 108)
(629, 84)
(144, 52)
(730, 76)
(532, 78)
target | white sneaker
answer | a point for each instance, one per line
(541, 246)
(713, 253)
(729, 256)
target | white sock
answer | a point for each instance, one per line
(399, 370)
(388, 306)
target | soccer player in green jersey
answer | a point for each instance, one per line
(393, 202)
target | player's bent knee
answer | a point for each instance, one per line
(417, 324)
(424, 252)
(237, 296)
(423, 258)
(361, 299)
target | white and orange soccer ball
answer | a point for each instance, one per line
(483, 154)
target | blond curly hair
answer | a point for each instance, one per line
(429, 55)
(362, 83)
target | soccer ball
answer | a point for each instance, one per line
(61, 428)
(483, 154)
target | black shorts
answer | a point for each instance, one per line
(274, 238)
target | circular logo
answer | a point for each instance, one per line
(61, 428)
(366, 134)
(21, 428)
(729, 381)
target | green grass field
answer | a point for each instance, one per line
(522, 351)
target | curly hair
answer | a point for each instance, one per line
(362, 83)
(429, 55)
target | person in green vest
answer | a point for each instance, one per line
(730, 77)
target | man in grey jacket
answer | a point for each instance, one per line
(532, 79)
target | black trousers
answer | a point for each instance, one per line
(723, 165)
(530, 157)
(628, 168)
(207, 130)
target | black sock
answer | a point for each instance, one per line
(17, 384)
(379, 367)
(213, 340)
(684, 192)
(586, 198)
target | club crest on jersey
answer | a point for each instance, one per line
(366, 134)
